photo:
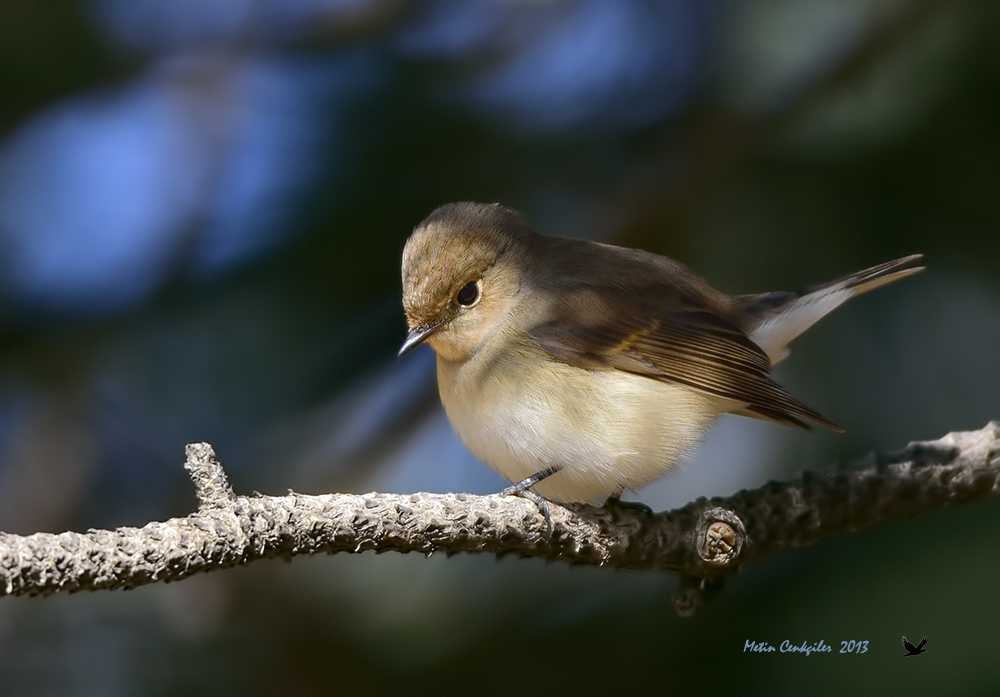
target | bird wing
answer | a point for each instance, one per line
(603, 329)
(908, 646)
(921, 644)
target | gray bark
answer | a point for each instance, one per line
(704, 542)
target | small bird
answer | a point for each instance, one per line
(579, 370)
(912, 650)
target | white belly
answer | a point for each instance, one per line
(606, 430)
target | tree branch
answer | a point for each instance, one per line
(705, 541)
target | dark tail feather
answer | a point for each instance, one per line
(869, 279)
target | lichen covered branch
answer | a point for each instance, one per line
(703, 542)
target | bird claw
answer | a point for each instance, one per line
(523, 489)
(616, 502)
(543, 505)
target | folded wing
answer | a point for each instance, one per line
(604, 329)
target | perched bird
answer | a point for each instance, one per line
(912, 650)
(578, 369)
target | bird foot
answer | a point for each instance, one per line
(523, 489)
(616, 502)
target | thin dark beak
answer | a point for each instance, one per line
(416, 336)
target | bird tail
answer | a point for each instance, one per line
(783, 316)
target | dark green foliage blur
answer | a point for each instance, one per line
(202, 210)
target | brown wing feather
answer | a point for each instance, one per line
(697, 349)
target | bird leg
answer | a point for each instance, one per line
(523, 489)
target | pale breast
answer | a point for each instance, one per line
(520, 411)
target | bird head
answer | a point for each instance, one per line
(463, 270)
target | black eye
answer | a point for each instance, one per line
(469, 294)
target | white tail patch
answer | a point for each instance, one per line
(776, 332)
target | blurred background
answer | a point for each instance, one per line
(202, 210)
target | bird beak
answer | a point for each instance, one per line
(417, 336)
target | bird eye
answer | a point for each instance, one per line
(469, 294)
